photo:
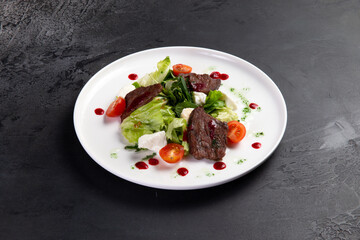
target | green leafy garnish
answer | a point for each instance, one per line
(135, 147)
(148, 156)
(246, 110)
(240, 161)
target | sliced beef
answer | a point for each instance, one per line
(201, 82)
(207, 136)
(139, 97)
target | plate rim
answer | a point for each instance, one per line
(180, 187)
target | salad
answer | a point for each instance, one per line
(175, 112)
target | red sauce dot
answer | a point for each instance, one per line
(224, 76)
(133, 76)
(141, 165)
(253, 105)
(153, 161)
(219, 165)
(215, 75)
(99, 111)
(256, 145)
(182, 171)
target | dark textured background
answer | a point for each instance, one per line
(51, 189)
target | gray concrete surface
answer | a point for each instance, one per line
(51, 189)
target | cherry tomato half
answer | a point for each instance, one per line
(116, 108)
(181, 68)
(172, 152)
(236, 132)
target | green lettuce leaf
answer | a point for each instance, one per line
(213, 101)
(147, 119)
(217, 108)
(167, 114)
(225, 115)
(186, 147)
(157, 76)
(175, 131)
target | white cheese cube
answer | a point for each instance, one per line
(199, 98)
(125, 90)
(153, 142)
(185, 114)
(228, 101)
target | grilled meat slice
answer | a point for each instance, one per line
(201, 82)
(139, 97)
(207, 136)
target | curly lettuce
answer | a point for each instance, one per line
(217, 107)
(225, 115)
(153, 117)
(175, 132)
(158, 76)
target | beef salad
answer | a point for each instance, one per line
(175, 112)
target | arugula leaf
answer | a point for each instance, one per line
(185, 89)
(177, 92)
(170, 76)
(170, 96)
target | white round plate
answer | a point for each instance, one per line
(102, 140)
